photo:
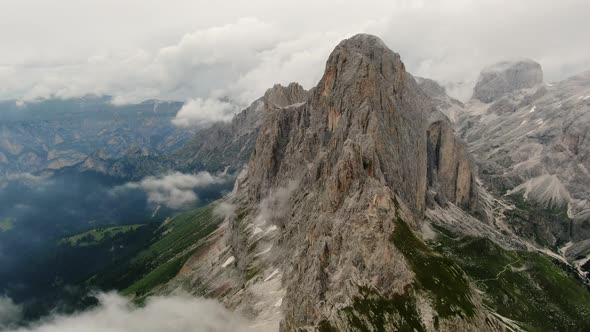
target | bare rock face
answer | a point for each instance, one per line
(449, 106)
(449, 172)
(506, 77)
(329, 223)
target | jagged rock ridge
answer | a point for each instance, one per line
(450, 107)
(360, 143)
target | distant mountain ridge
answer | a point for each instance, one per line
(55, 133)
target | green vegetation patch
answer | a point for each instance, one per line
(6, 224)
(373, 312)
(530, 220)
(156, 277)
(526, 287)
(436, 274)
(174, 244)
(180, 233)
(98, 235)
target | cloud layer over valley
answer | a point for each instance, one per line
(175, 190)
(171, 314)
(10, 313)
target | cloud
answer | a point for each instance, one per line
(225, 210)
(235, 52)
(172, 313)
(274, 207)
(200, 63)
(174, 190)
(200, 112)
(26, 178)
(10, 313)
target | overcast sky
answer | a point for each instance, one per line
(203, 51)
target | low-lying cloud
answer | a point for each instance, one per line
(225, 210)
(10, 313)
(274, 207)
(200, 112)
(171, 314)
(175, 190)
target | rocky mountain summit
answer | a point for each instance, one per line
(506, 77)
(361, 210)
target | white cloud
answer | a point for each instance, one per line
(174, 190)
(199, 112)
(171, 314)
(224, 210)
(274, 207)
(10, 312)
(234, 50)
(27, 178)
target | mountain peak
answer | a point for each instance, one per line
(363, 42)
(367, 101)
(281, 96)
(506, 77)
(363, 61)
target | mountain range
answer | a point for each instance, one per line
(374, 202)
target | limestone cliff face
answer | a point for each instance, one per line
(449, 106)
(506, 77)
(450, 171)
(328, 185)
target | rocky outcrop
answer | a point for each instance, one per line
(506, 77)
(450, 171)
(450, 107)
(329, 227)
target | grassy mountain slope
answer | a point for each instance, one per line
(173, 243)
